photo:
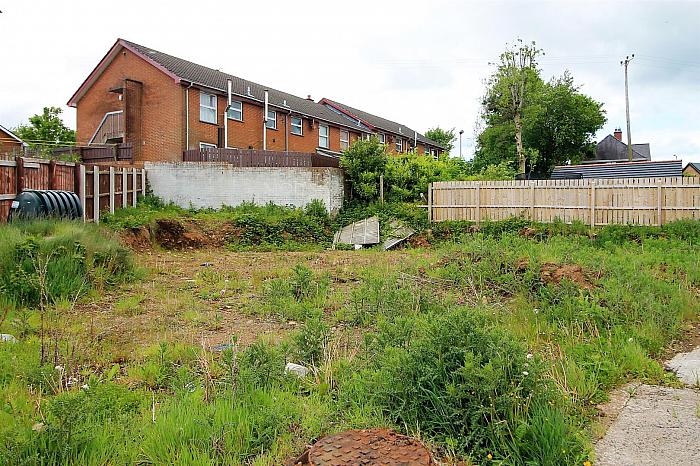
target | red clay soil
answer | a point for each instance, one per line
(371, 447)
(555, 273)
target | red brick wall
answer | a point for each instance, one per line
(161, 129)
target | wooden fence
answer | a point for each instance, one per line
(100, 188)
(642, 201)
(87, 154)
(260, 158)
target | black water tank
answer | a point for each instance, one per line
(33, 203)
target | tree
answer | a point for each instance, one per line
(444, 137)
(46, 129)
(557, 125)
(364, 162)
(512, 85)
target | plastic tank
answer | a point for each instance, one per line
(30, 204)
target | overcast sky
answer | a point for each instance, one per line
(421, 63)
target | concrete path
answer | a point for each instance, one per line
(657, 425)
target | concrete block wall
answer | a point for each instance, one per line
(215, 184)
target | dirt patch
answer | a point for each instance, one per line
(171, 234)
(555, 273)
(138, 239)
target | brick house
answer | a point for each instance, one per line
(10, 143)
(164, 105)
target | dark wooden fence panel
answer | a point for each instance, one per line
(26, 173)
(259, 158)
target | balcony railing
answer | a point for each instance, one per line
(111, 127)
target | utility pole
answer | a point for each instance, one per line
(461, 131)
(624, 63)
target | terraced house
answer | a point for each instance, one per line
(163, 105)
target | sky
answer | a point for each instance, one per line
(420, 63)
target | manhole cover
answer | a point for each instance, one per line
(368, 447)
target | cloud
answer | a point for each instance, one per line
(420, 63)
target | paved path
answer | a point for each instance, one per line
(657, 425)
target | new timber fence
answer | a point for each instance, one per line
(642, 201)
(100, 188)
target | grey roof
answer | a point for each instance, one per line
(384, 124)
(217, 80)
(694, 166)
(643, 169)
(611, 149)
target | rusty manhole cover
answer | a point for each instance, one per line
(368, 447)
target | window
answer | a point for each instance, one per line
(323, 136)
(399, 145)
(344, 139)
(206, 145)
(271, 119)
(207, 107)
(382, 138)
(297, 127)
(235, 111)
(365, 136)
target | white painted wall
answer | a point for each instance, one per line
(216, 184)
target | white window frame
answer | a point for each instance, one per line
(300, 126)
(366, 136)
(206, 145)
(232, 108)
(271, 122)
(382, 138)
(344, 143)
(399, 144)
(208, 108)
(322, 137)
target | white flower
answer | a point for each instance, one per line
(59, 368)
(536, 310)
(630, 340)
(529, 356)
(526, 373)
(85, 386)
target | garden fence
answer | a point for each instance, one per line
(641, 201)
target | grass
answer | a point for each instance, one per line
(467, 345)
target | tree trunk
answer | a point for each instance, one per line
(519, 142)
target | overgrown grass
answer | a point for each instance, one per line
(477, 346)
(50, 260)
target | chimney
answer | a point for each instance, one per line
(618, 134)
(308, 97)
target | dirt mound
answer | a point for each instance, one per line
(555, 273)
(171, 234)
(138, 239)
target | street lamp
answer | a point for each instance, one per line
(461, 131)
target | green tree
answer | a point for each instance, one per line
(46, 129)
(511, 88)
(444, 137)
(364, 162)
(557, 121)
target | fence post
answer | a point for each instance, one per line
(52, 174)
(96, 193)
(478, 202)
(592, 203)
(125, 186)
(660, 200)
(81, 187)
(135, 190)
(532, 201)
(381, 188)
(143, 181)
(111, 189)
(430, 202)
(19, 174)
